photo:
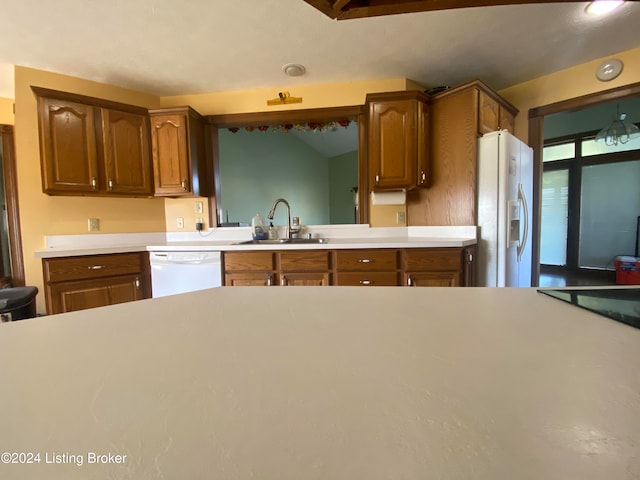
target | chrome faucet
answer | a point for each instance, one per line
(272, 212)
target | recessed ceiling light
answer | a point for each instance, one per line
(293, 69)
(602, 7)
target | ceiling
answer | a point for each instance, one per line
(167, 47)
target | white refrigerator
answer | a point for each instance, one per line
(505, 188)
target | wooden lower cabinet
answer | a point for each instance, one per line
(433, 279)
(71, 296)
(417, 267)
(368, 279)
(304, 268)
(250, 279)
(438, 267)
(249, 269)
(367, 267)
(304, 279)
(89, 281)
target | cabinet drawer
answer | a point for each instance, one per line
(306, 260)
(434, 259)
(369, 279)
(91, 266)
(249, 261)
(367, 260)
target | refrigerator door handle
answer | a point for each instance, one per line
(523, 198)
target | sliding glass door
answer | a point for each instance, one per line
(590, 202)
(610, 205)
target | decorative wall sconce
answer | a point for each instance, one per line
(284, 98)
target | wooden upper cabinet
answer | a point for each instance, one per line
(458, 116)
(488, 113)
(126, 152)
(398, 140)
(506, 119)
(180, 164)
(90, 146)
(493, 114)
(68, 152)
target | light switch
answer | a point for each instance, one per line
(94, 224)
(199, 207)
(180, 222)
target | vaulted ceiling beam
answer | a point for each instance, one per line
(348, 9)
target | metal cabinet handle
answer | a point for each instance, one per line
(94, 183)
(268, 279)
(366, 282)
(110, 184)
(409, 281)
(96, 267)
(137, 282)
(365, 260)
(283, 281)
(423, 176)
(184, 184)
(377, 179)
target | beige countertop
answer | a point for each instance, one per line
(340, 383)
(228, 240)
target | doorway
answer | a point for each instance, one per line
(580, 190)
(11, 263)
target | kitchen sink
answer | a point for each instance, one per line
(280, 241)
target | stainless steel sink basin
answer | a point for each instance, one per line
(284, 241)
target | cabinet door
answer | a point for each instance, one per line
(126, 153)
(67, 146)
(83, 294)
(506, 120)
(432, 279)
(308, 279)
(424, 146)
(171, 166)
(393, 138)
(470, 267)
(489, 114)
(252, 279)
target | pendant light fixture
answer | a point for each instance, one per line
(620, 131)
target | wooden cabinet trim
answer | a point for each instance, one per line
(480, 85)
(96, 102)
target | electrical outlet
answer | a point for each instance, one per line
(199, 220)
(199, 208)
(400, 218)
(94, 224)
(180, 222)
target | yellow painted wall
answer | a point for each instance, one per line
(6, 111)
(313, 96)
(252, 101)
(570, 83)
(42, 214)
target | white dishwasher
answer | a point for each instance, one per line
(180, 272)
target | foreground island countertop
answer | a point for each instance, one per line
(313, 382)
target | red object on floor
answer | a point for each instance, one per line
(627, 270)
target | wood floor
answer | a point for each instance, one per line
(559, 277)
